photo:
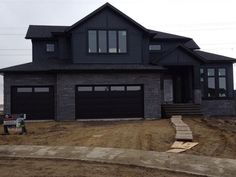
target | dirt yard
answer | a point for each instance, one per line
(216, 137)
(63, 168)
(145, 135)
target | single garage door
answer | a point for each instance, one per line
(109, 101)
(36, 102)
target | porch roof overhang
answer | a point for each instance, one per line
(62, 66)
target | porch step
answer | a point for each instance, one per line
(190, 109)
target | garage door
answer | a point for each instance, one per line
(113, 101)
(36, 102)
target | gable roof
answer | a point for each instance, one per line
(47, 31)
(211, 57)
(106, 5)
(184, 49)
(162, 35)
(43, 31)
(191, 44)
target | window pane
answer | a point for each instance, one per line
(222, 87)
(133, 88)
(211, 72)
(117, 88)
(201, 75)
(154, 47)
(92, 41)
(112, 42)
(85, 89)
(24, 89)
(122, 41)
(50, 47)
(102, 41)
(221, 72)
(211, 87)
(41, 89)
(101, 88)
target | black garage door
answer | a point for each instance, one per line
(35, 102)
(113, 101)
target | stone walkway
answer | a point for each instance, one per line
(183, 131)
(190, 164)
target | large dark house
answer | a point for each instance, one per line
(108, 66)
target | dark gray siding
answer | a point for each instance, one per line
(107, 20)
(166, 45)
(40, 55)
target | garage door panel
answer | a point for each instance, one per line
(115, 102)
(37, 104)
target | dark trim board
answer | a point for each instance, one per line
(94, 104)
(37, 102)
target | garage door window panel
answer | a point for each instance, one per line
(24, 89)
(117, 88)
(133, 88)
(41, 89)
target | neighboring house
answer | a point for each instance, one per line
(109, 66)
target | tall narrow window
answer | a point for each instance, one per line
(102, 41)
(222, 82)
(92, 41)
(211, 83)
(122, 41)
(202, 81)
(112, 42)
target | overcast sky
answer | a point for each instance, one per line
(211, 23)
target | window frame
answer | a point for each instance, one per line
(107, 42)
(152, 50)
(50, 45)
(217, 77)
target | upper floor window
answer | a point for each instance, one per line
(154, 47)
(107, 41)
(50, 47)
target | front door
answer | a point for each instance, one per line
(182, 84)
(178, 89)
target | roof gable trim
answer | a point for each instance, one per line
(106, 5)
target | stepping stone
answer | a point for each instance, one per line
(180, 125)
(186, 137)
(182, 128)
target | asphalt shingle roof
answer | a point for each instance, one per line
(41, 31)
(63, 66)
(211, 57)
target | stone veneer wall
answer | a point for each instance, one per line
(24, 80)
(218, 107)
(65, 84)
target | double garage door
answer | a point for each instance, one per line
(109, 101)
(36, 102)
